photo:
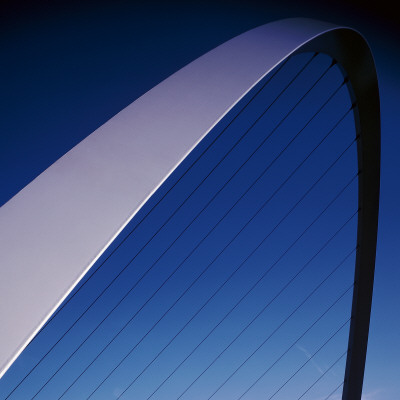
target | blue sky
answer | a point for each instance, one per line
(68, 70)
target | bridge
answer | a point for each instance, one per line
(189, 201)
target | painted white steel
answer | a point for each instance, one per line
(54, 230)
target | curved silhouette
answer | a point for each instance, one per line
(56, 228)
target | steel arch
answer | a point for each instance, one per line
(55, 229)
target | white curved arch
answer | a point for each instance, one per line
(55, 229)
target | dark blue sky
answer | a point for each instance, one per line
(68, 68)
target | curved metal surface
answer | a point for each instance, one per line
(56, 228)
(354, 56)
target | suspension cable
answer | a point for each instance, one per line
(295, 342)
(310, 358)
(201, 212)
(209, 265)
(267, 339)
(334, 391)
(275, 192)
(244, 329)
(233, 308)
(72, 295)
(315, 382)
(269, 303)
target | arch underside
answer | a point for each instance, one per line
(60, 224)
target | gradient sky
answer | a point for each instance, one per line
(66, 69)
